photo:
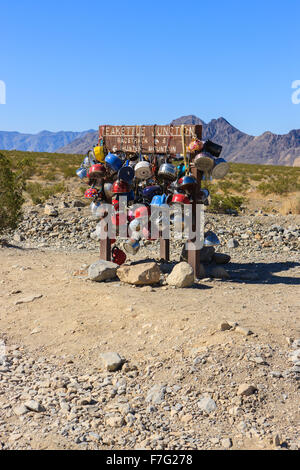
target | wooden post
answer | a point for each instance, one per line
(105, 247)
(164, 248)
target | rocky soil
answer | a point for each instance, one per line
(212, 366)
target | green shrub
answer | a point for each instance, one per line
(223, 204)
(279, 184)
(11, 200)
(40, 193)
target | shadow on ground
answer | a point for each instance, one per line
(264, 273)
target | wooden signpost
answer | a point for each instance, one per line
(146, 140)
(162, 140)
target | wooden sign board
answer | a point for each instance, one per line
(148, 139)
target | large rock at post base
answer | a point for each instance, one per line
(221, 258)
(102, 271)
(206, 254)
(181, 276)
(139, 274)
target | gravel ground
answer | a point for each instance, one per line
(214, 366)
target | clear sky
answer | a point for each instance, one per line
(72, 65)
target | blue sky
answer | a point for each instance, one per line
(72, 65)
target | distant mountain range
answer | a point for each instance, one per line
(44, 141)
(267, 148)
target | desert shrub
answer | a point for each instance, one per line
(279, 185)
(43, 164)
(69, 172)
(40, 193)
(223, 204)
(50, 175)
(11, 200)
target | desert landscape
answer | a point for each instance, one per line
(113, 365)
(174, 128)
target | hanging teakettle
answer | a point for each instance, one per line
(118, 256)
(99, 153)
(81, 172)
(211, 239)
(204, 162)
(187, 183)
(179, 198)
(212, 148)
(220, 169)
(142, 170)
(126, 173)
(90, 193)
(113, 161)
(168, 172)
(132, 246)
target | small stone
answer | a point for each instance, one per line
(115, 421)
(94, 436)
(294, 356)
(147, 289)
(275, 374)
(186, 418)
(151, 409)
(232, 243)
(65, 406)
(276, 440)
(233, 324)
(223, 326)
(246, 390)
(112, 361)
(296, 344)
(207, 404)
(35, 331)
(29, 299)
(18, 238)
(130, 418)
(77, 203)
(34, 405)
(214, 440)
(20, 410)
(243, 331)
(50, 210)
(226, 443)
(156, 394)
(63, 205)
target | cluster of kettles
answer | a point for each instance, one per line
(152, 181)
